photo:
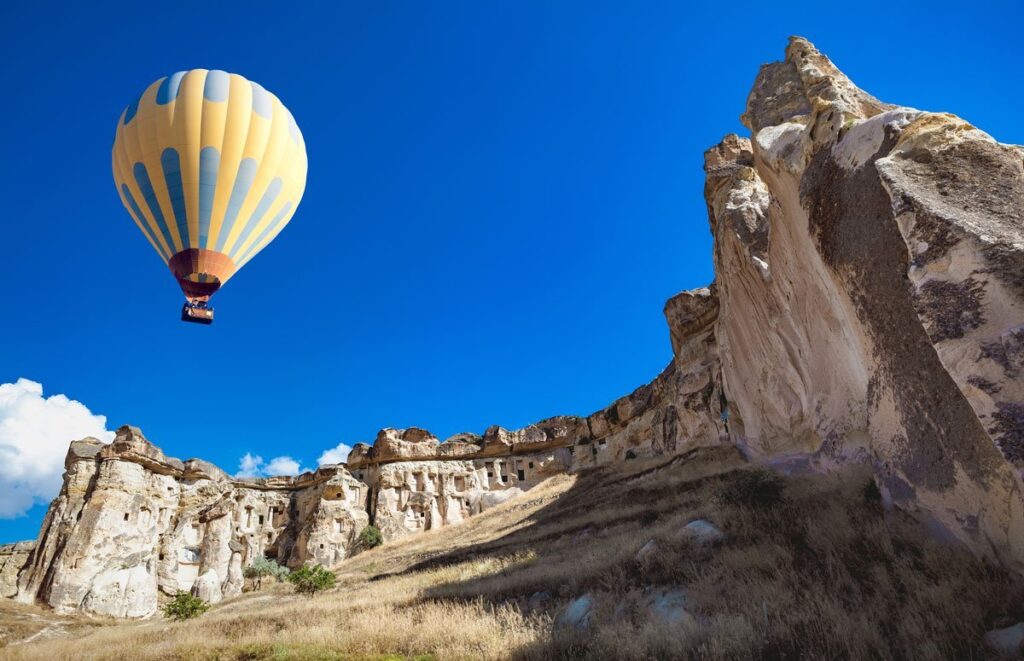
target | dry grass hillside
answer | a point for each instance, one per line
(811, 567)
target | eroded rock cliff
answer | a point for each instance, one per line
(869, 261)
(868, 307)
(131, 523)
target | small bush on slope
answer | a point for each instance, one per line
(370, 537)
(184, 607)
(312, 579)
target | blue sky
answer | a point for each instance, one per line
(501, 196)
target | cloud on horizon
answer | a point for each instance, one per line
(336, 455)
(35, 432)
(252, 465)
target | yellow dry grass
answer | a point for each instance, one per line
(818, 572)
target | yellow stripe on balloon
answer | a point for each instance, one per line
(188, 119)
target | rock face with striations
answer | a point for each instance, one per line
(130, 522)
(868, 307)
(870, 270)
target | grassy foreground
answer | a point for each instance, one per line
(811, 568)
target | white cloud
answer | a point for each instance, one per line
(249, 466)
(34, 435)
(335, 455)
(252, 465)
(283, 466)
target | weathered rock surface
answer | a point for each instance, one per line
(1009, 642)
(868, 263)
(868, 307)
(130, 523)
(12, 558)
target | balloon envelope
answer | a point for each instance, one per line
(211, 167)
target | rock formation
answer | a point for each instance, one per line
(868, 307)
(130, 522)
(12, 558)
(869, 261)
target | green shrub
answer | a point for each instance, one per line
(370, 537)
(263, 567)
(752, 488)
(184, 606)
(311, 579)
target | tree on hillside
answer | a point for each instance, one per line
(263, 567)
(311, 579)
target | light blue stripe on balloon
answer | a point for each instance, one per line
(293, 129)
(209, 165)
(261, 101)
(141, 219)
(217, 85)
(168, 90)
(243, 182)
(267, 231)
(273, 190)
(171, 164)
(142, 179)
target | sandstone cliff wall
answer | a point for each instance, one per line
(869, 261)
(131, 524)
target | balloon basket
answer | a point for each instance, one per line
(196, 314)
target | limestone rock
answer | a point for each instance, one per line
(404, 445)
(702, 532)
(1009, 641)
(647, 551)
(577, 614)
(207, 587)
(868, 262)
(131, 522)
(12, 558)
(669, 604)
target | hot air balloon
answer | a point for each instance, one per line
(211, 167)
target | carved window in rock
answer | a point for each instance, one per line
(145, 515)
(337, 525)
(248, 517)
(531, 464)
(126, 514)
(460, 482)
(521, 474)
(420, 482)
(260, 521)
